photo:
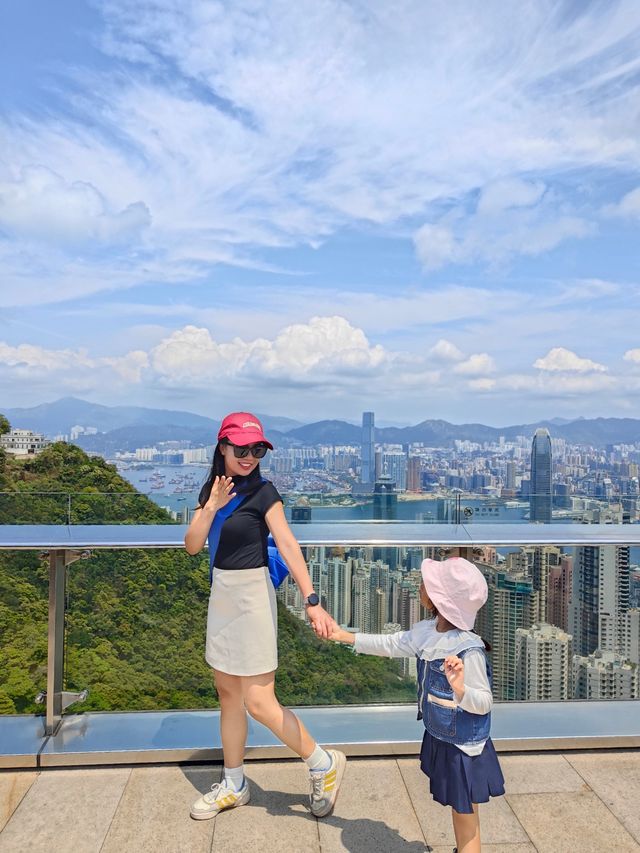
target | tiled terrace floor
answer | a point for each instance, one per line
(555, 803)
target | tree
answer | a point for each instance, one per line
(5, 426)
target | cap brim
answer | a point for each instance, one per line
(245, 437)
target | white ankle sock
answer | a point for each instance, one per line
(234, 777)
(319, 760)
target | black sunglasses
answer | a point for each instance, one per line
(256, 450)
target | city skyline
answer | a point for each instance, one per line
(187, 217)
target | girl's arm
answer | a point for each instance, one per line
(399, 645)
(196, 535)
(292, 555)
(469, 682)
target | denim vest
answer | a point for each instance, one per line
(448, 722)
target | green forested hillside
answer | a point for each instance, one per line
(135, 618)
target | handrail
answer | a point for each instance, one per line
(347, 533)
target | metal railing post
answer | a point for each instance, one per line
(56, 698)
(55, 659)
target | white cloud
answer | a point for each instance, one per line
(507, 193)
(313, 351)
(71, 369)
(33, 358)
(444, 350)
(482, 385)
(632, 355)
(129, 367)
(628, 206)
(436, 246)
(561, 359)
(476, 365)
(39, 204)
(512, 217)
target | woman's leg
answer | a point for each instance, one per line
(467, 830)
(261, 702)
(233, 717)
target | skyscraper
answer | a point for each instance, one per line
(385, 499)
(540, 487)
(559, 592)
(543, 663)
(367, 448)
(512, 603)
(604, 675)
(600, 598)
(395, 466)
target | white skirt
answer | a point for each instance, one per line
(242, 622)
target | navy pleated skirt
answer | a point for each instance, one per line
(457, 779)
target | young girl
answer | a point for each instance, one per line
(454, 692)
(242, 644)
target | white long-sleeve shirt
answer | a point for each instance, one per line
(427, 643)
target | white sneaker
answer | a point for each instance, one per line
(219, 798)
(325, 785)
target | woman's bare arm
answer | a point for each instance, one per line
(288, 546)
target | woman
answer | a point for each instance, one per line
(241, 645)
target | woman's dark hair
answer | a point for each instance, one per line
(217, 470)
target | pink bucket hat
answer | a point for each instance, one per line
(457, 588)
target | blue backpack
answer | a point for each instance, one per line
(277, 567)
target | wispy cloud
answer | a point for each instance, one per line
(224, 130)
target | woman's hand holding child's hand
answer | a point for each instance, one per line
(339, 635)
(454, 670)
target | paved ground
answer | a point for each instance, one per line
(555, 803)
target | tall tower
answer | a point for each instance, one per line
(540, 487)
(368, 448)
(385, 499)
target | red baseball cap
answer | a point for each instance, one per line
(242, 428)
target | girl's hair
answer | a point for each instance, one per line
(217, 470)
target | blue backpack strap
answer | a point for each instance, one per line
(216, 528)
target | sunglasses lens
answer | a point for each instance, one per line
(242, 452)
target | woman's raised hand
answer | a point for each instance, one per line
(221, 493)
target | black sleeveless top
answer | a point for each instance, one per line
(243, 538)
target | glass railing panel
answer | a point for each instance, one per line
(23, 630)
(135, 626)
(563, 623)
(87, 507)
(28, 507)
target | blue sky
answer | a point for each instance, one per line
(427, 209)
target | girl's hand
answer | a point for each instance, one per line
(454, 670)
(339, 635)
(321, 622)
(221, 493)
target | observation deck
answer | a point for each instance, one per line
(123, 781)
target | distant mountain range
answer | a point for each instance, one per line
(59, 418)
(128, 427)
